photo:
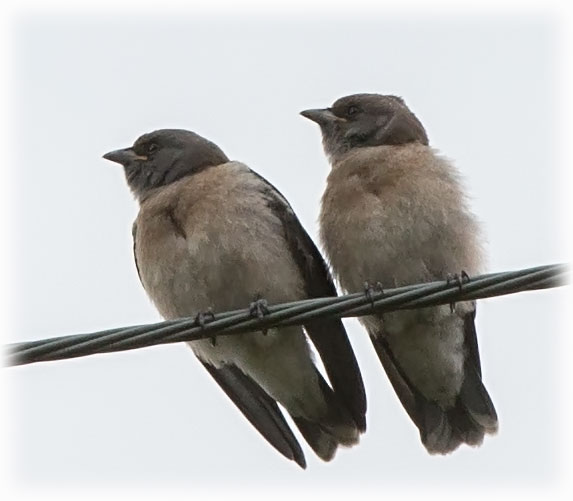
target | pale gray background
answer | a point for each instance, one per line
(486, 89)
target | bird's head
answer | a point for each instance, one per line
(366, 120)
(164, 156)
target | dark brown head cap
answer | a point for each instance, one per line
(366, 120)
(165, 156)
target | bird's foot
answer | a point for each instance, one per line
(460, 279)
(201, 320)
(370, 290)
(259, 308)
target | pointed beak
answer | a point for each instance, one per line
(123, 157)
(320, 116)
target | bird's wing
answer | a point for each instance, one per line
(259, 408)
(471, 342)
(328, 336)
(134, 234)
(473, 394)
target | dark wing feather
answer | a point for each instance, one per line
(328, 336)
(471, 342)
(133, 234)
(259, 408)
(406, 391)
(474, 395)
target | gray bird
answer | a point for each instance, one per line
(394, 212)
(211, 233)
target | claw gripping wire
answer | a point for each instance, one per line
(295, 313)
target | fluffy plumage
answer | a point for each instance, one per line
(394, 212)
(211, 233)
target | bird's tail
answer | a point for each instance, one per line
(470, 418)
(442, 430)
(333, 428)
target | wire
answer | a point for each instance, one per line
(294, 313)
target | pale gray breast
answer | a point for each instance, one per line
(211, 241)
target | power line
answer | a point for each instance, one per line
(295, 313)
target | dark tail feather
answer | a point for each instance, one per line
(477, 402)
(320, 441)
(436, 430)
(330, 339)
(336, 427)
(338, 421)
(468, 421)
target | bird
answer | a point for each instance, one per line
(212, 235)
(395, 212)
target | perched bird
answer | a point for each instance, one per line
(394, 213)
(211, 233)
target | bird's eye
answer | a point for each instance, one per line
(151, 148)
(352, 110)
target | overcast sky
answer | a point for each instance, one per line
(486, 87)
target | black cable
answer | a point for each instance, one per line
(295, 313)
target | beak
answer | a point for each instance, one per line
(320, 116)
(123, 157)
